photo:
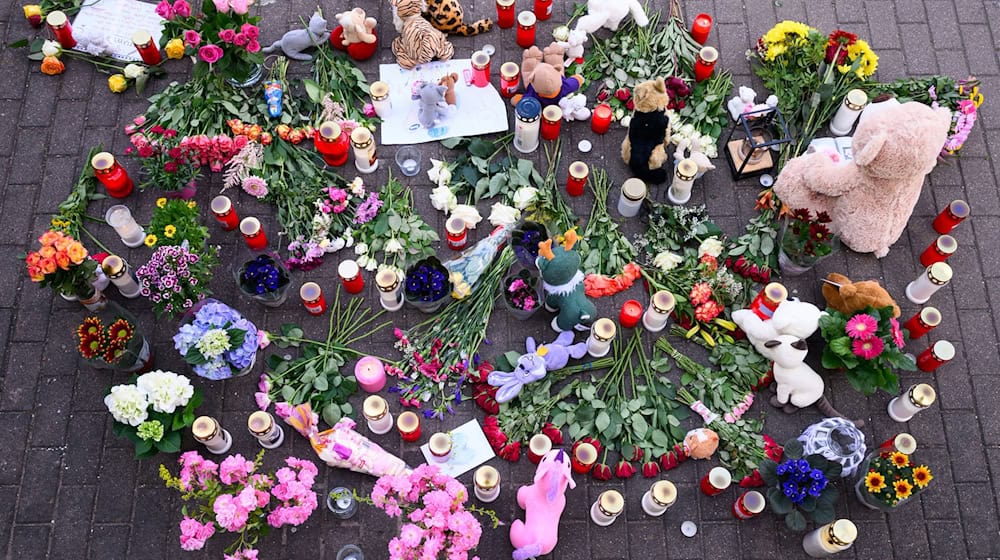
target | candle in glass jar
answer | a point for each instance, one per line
(208, 432)
(716, 481)
(937, 355)
(312, 298)
(380, 98)
(61, 29)
(680, 188)
(630, 201)
(440, 447)
(660, 496)
(607, 508)
(112, 175)
(370, 373)
(918, 397)
(388, 285)
(939, 251)
(526, 124)
(830, 539)
(601, 334)
(505, 14)
(487, 483)
(456, 233)
(376, 412)
(480, 69)
(951, 216)
(701, 27)
(630, 314)
(600, 120)
(584, 457)
(538, 446)
(363, 142)
(408, 425)
(148, 50)
(543, 9)
(661, 305)
(120, 218)
(704, 63)
(510, 79)
(922, 322)
(262, 426)
(749, 504)
(768, 299)
(350, 275)
(848, 112)
(525, 29)
(116, 269)
(577, 178)
(332, 143)
(902, 442)
(253, 234)
(935, 277)
(551, 122)
(224, 212)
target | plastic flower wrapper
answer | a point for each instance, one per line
(473, 262)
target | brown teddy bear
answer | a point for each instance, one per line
(449, 82)
(543, 75)
(871, 197)
(847, 297)
(645, 147)
(701, 443)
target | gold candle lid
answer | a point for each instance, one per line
(842, 532)
(686, 169)
(375, 408)
(56, 19)
(930, 316)
(526, 19)
(540, 444)
(578, 170)
(939, 273)
(361, 137)
(663, 492)
(310, 291)
(856, 99)
(611, 503)
(905, 443)
(487, 477)
(386, 280)
(221, 204)
(634, 189)
(330, 130)
(113, 266)
(509, 69)
(260, 423)
(378, 90)
(552, 113)
(141, 38)
(408, 421)
(480, 60)
(440, 444)
(586, 453)
(604, 329)
(943, 350)
(708, 54)
(922, 395)
(101, 161)
(663, 302)
(776, 292)
(946, 244)
(205, 428)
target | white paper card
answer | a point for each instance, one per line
(469, 449)
(115, 21)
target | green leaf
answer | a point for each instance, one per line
(639, 426)
(171, 443)
(452, 143)
(795, 521)
(824, 513)
(143, 448)
(321, 384)
(659, 438)
(313, 91)
(841, 345)
(331, 413)
(793, 449)
(236, 337)
(195, 357)
(288, 393)
(780, 503)
(481, 148)
(602, 421)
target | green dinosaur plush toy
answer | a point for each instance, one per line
(563, 282)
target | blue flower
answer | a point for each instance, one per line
(790, 489)
(783, 468)
(803, 466)
(816, 474)
(429, 413)
(815, 490)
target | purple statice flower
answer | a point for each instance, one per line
(368, 209)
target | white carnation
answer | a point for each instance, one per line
(165, 390)
(667, 261)
(503, 215)
(711, 246)
(127, 404)
(467, 214)
(443, 199)
(524, 196)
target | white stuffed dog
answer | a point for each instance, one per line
(797, 383)
(573, 45)
(610, 13)
(792, 317)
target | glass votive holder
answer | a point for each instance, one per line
(340, 501)
(389, 292)
(130, 232)
(350, 552)
(207, 431)
(262, 426)
(408, 425)
(601, 334)
(661, 305)
(408, 160)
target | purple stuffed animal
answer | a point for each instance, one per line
(543, 504)
(535, 364)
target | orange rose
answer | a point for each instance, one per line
(76, 252)
(47, 252)
(48, 265)
(62, 259)
(62, 243)
(35, 273)
(52, 66)
(33, 259)
(50, 237)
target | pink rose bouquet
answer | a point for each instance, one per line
(221, 36)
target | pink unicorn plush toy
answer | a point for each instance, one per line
(543, 504)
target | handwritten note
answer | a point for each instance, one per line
(115, 21)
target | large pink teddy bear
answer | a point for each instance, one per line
(543, 504)
(870, 198)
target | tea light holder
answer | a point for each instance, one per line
(700, 28)
(848, 112)
(660, 496)
(262, 426)
(526, 29)
(630, 200)
(253, 234)
(117, 270)
(363, 143)
(120, 218)
(768, 300)
(332, 143)
(922, 322)
(350, 552)
(543, 9)
(510, 79)
(440, 446)
(527, 115)
(456, 233)
(389, 293)
(918, 397)
(661, 305)
(601, 334)
(934, 277)
(208, 432)
(312, 298)
(148, 51)
(408, 425)
(749, 504)
(716, 481)
(370, 373)
(61, 29)
(680, 188)
(607, 508)
(600, 119)
(110, 173)
(380, 99)
(350, 276)
(830, 539)
(902, 442)
(376, 411)
(225, 214)
(551, 122)
(506, 14)
(704, 63)
(950, 217)
(937, 355)
(630, 314)
(480, 69)
(752, 141)
(584, 457)
(939, 251)
(341, 502)
(487, 483)
(538, 446)
(577, 178)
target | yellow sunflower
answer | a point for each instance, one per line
(922, 476)
(903, 489)
(874, 482)
(900, 460)
(161, 202)
(169, 230)
(151, 240)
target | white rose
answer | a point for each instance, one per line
(467, 214)
(393, 246)
(133, 71)
(166, 390)
(503, 215)
(372, 265)
(363, 261)
(524, 196)
(127, 404)
(51, 48)
(443, 199)
(335, 245)
(711, 246)
(439, 172)
(687, 130)
(711, 151)
(561, 33)
(667, 261)
(360, 248)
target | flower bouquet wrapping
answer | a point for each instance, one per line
(221, 37)
(264, 279)
(236, 497)
(466, 269)
(805, 241)
(426, 284)
(62, 264)
(175, 278)
(217, 341)
(152, 411)
(111, 339)
(889, 480)
(867, 345)
(799, 487)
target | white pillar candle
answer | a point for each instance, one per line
(120, 218)
(440, 447)
(601, 335)
(376, 411)
(262, 426)
(632, 195)
(680, 189)
(363, 143)
(390, 296)
(932, 279)
(848, 112)
(380, 99)
(917, 398)
(208, 432)
(117, 270)
(660, 496)
(658, 313)
(527, 124)
(830, 539)
(607, 508)
(487, 484)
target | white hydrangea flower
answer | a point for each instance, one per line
(393, 246)
(443, 199)
(524, 196)
(166, 390)
(501, 214)
(127, 404)
(711, 246)
(467, 214)
(133, 71)
(667, 261)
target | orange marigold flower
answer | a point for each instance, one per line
(52, 66)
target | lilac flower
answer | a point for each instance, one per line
(368, 209)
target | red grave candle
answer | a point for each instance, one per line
(332, 143)
(716, 481)
(526, 29)
(506, 15)
(577, 179)
(934, 357)
(630, 314)
(112, 175)
(350, 275)
(312, 298)
(253, 234)
(600, 120)
(700, 28)
(922, 323)
(61, 29)
(704, 63)
(148, 50)
(510, 79)
(768, 300)
(939, 251)
(551, 122)
(480, 69)
(456, 233)
(583, 458)
(408, 425)
(749, 504)
(223, 210)
(538, 446)
(543, 9)
(951, 216)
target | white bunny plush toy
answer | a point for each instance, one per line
(610, 13)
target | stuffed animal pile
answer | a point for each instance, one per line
(544, 79)
(419, 42)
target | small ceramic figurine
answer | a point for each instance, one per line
(295, 41)
(543, 503)
(535, 364)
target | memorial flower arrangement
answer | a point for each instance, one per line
(426, 281)
(176, 222)
(63, 264)
(867, 345)
(113, 341)
(175, 278)
(806, 238)
(93, 50)
(891, 479)
(152, 410)
(339, 92)
(165, 165)
(236, 496)
(521, 291)
(218, 342)
(799, 487)
(604, 249)
(222, 36)
(264, 276)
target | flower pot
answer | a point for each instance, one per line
(269, 297)
(792, 259)
(866, 498)
(95, 302)
(426, 285)
(224, 359)
(534, 287)
(133, 356)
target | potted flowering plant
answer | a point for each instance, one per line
(525, 239)
(805, 241)
(264, 279)
(172, 267)
(234, 496)
(165, 165)
(177, 222)
(152, 410)
(222, 37)
(426, 284)
(522, 293)
(62, 264)
(867, 345)
(217, 341)
(110, 339)
(799, 487)
(889, 480)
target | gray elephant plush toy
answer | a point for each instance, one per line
(295, 41)
(535, 364)
(432, 105)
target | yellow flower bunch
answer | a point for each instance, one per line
(783, 36)
(865, 57)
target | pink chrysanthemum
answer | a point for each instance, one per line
(862, 327)
(868, 349)
(897, 333)
(255, 186)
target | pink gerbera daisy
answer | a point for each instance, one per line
(897, 333)
(862, 326)
(868, 349)
(255, 186)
